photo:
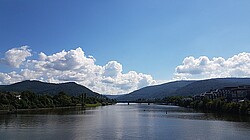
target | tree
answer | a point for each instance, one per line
(62, 99)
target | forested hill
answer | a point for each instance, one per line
(183, 88)
(157, 91)
(211, 84)
(39, 87)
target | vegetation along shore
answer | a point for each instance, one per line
(11, 102)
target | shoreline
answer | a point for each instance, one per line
(5, 112)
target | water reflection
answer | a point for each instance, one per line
(188, 113)
(122, 121)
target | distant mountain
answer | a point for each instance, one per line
(38, 87)
(113, 96)
(152, 92)
(210, 84)
(183, 88)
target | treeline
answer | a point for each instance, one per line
(30, 100)
(206, 104)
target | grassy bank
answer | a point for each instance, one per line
(93, 105)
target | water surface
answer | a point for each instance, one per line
(122, 121)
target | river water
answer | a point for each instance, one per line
(123, 121)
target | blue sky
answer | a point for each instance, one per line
(147, 36)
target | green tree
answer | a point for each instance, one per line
(62, 99)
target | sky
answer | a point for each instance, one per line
(117, 46)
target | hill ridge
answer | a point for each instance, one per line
(182, 88)
(40, 87)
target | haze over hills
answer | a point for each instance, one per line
(183, 88)
(39, 87)
(157, 91)
(113, 96)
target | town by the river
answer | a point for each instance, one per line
(123, 121)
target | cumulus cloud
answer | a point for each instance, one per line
(16, 56)
(112, 69)
(217, 67)
(73, 65)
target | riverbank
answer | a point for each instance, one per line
(211, 105)
(52, 108)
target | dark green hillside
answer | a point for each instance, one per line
(210, 84)
(153, 92)
(38, 87)
(182, 88)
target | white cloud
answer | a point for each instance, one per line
(112, 69)
(16, 56)
(217, 67)
(3, 78)
(74, 66)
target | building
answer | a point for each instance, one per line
(18, 97)
(234, 94)
(238, 93)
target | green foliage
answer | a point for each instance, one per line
(30, 100)
(173, 99)
(62, 99)
(206, 104)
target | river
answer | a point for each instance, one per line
(123, 121)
